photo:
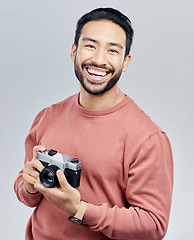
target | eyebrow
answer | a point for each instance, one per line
(116, 45)
(96, 41)
(89, 39)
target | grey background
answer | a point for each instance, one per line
(36, 71)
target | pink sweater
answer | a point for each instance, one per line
(127, 172)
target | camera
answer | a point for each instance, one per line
(52, 161)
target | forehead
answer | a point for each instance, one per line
(104, 31)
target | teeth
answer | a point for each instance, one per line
(98, 73)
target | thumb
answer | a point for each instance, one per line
(36, 149)
(62, 179)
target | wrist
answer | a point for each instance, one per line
(32, 193)
(77, 218)
(30, 189)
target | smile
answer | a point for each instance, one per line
(96, 73)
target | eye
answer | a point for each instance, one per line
(113, 51)
(89, 46)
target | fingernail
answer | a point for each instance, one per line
(59, 172)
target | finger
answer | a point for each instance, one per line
(31, 173)
(36, 149)
(27, 178)
(37, 165)
(62, 179)
(49, 193)
(38, 186)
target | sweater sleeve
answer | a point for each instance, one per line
(148, 192)
(23, 196)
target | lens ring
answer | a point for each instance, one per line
(48, 176)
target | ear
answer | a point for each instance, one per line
(73, 52)
(126, 62)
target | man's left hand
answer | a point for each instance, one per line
(64, 197)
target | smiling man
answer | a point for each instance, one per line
(127, 168)
(100, 59)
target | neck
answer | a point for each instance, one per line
(99, 102)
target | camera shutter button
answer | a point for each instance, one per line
(74, 160)
(52, 152)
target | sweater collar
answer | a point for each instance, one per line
(92, 112)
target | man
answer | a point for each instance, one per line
(127, 170)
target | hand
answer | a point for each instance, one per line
(64, 197)
(30, 173)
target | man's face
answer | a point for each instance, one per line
(99, 59)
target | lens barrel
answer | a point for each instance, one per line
(48, 176)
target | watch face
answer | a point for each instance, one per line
(75, 220)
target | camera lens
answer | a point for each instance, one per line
(48, 176)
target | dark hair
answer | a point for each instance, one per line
(108, 14)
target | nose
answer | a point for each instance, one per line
(99, 57)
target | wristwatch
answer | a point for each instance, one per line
(77, 218)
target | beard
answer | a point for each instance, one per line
(96, 88)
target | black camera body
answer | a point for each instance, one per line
(53, 161)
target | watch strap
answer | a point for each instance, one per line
(77, 218)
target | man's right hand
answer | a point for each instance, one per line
(30, 173)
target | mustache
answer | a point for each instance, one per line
(98, 66)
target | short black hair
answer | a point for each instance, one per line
(112, 15)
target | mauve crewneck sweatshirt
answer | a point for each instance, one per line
(127, 172)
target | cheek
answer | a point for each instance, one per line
(78, 61)
(117, 64)
(84, 55)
